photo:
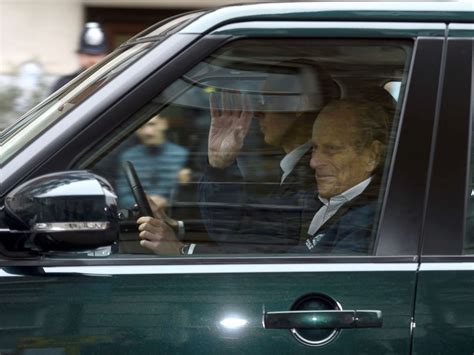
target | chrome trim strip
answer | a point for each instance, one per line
(229, 268)
(249, 268)
(461, 26)
(71, 226)
(447, 266)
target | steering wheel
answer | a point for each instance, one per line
(137, 189)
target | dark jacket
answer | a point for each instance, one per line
(350, 231)
(242, 219)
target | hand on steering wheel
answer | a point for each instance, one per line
(137, 189)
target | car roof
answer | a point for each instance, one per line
(445, 12)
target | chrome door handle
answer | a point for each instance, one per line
(322, 319)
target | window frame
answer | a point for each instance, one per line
(424, 47)
(446, 205)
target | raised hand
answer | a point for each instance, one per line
(229, 127)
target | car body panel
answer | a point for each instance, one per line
(127, 310)
(444, 303)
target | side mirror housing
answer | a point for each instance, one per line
(65, 211)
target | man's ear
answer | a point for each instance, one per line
(374, 155)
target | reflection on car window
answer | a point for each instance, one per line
(267, 146)
(41, 117)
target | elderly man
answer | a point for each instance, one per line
(349, 144)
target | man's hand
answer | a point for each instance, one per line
(158, 204)
(229, 127)
(158, 237)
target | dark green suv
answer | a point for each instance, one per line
(301, 174)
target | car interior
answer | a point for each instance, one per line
(374, 70)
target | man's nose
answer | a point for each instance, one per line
(316, 159)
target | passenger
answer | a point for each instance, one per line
(350, 140)
(349, 145)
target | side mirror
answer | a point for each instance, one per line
(66, 211)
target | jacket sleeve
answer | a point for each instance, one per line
(222, 196)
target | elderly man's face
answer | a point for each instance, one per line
(338, 163)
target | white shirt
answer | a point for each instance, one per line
(331, 206)
(288, 163)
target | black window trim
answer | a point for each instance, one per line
(444, 230)
(401, 220)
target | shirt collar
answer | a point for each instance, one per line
(288, 163)
(347, 195)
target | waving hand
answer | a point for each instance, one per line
(229, 127)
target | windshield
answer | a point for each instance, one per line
(33, 123)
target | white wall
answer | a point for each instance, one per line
(47, 31)
(44, 31)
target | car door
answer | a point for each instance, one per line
(444, 317)
(240, 303)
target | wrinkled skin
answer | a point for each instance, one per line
(337, 162)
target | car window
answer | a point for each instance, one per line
(266, 147)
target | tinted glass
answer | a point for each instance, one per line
(47, 113)
(267, 146)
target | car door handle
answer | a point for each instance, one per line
(327, 319)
